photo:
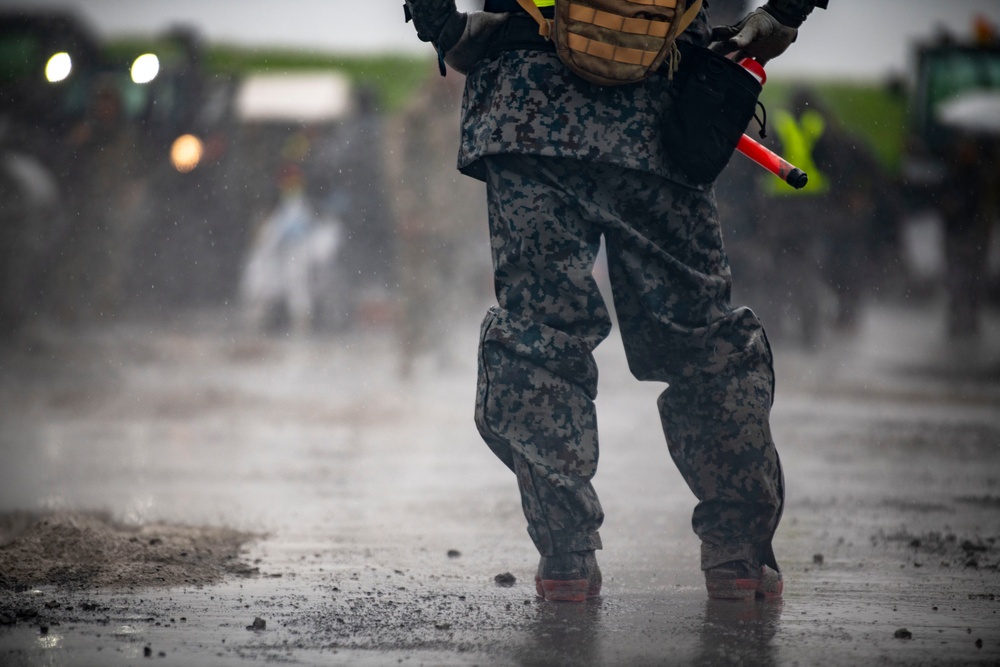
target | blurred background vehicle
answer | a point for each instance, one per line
(136, 173)
(47, 61)
(901, 203)
(953, 164)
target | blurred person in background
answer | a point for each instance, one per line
(567, 162)
(444, 262)
(107, 186)
(970, 208)
(860, 242)
(33, 217)
(970, 195)
(290, 267)
(824, 239)
(350, 164)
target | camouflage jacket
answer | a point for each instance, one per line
(528, 102)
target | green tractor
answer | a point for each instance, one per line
(952, 166)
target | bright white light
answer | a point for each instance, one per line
(145, 68)
(58, 67)
(186, 152)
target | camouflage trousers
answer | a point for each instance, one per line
(671, 283)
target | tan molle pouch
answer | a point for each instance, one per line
(615, 42)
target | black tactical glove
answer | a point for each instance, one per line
(474, 44)
(436, 21)
(767, 32)
(792, 12)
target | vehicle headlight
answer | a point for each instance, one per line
(145, 68)
(58, 67)
(186, 152)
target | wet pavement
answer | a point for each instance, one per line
(383, 520)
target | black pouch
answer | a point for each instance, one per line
(714, 100)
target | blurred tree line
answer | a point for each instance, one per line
(876, 111)
(395, 77)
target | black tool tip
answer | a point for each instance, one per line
(797, 178)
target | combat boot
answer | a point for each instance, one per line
(743, 580)
(570, 577)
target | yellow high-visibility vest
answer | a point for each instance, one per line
(798, 138)
(545, 3)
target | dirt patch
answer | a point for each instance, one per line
(946, 548)
(87, 551)
(980, 501)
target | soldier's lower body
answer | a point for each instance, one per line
(538, 379)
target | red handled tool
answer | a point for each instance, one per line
(765, 157)
(773, 162)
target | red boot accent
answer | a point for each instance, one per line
(566, 590)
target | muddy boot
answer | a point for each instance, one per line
(571, 577)
(742, 580)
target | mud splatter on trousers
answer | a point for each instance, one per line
(671, 286)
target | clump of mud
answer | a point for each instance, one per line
(88, 551)
(947, 548)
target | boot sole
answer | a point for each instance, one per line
(565, 590)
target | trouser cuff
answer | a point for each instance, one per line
(712, 556)
(556, 543)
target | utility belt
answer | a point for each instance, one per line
(519, 33)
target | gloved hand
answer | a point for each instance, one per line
(760, 35)
(436, 21)
(474, 43)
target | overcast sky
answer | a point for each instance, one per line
(854, 38)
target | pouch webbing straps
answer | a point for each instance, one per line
(689, 16)
(613, 22)
(618, 23)
(619, 54)
(544, 25)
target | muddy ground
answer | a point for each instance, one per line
(194, 495)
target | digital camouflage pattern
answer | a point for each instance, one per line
(528, 102)
(567, 162)
(671, 284)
